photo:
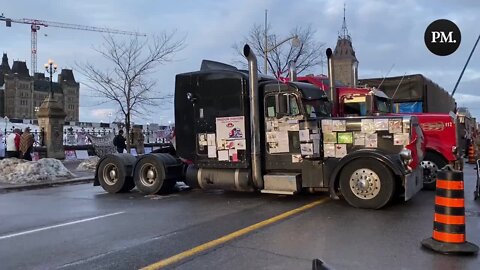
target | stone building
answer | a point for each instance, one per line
(346, 63)
(23, 94)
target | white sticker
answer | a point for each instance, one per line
(371, 140)
(358, 138)
(306, 149)
(327, 125)
(329, 150)
(202, 139)
(339, 125)
(315, 136)
(395, 126)
(271, 136)
(316, 147)
(211, 139)
(230, 128)
(223, 155)
(282, 139)
(297, 158)
(381, 124)
(304, 135)
(340, 150)
(212, 151)
(401, 139)
(368, 126)
(240, 145)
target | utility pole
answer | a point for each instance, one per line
(464, 67)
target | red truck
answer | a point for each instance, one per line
(439, 128)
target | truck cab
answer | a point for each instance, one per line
(442, 141)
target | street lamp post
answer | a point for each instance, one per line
(51, 68)
(295, 43)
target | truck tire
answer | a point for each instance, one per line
(149, 176)
(367, 183)
(431, 163)
(113, 177)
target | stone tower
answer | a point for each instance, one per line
(346, 63)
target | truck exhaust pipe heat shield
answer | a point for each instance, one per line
(292, 68)
(254, 117)
(332, 93)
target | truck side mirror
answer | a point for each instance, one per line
(369, 103)
(282, 105)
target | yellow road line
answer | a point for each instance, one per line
(231, 236)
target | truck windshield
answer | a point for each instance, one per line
(382, 104)
(355, 106)
(317, 108)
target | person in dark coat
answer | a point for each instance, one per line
(119, 142)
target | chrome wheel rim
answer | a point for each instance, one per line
(430, 170)
(148, 174)
(110, 174)
(365, 184)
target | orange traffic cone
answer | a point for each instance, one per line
(449, 219)
(471, 154)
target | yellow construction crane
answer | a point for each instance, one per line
(36, 24)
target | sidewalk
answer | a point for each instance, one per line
(81, 177)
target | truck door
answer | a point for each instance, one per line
(282, 145)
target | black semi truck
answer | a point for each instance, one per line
(238, 131)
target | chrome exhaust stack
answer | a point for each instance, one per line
(332, 92)
(254, 117)
(292, 69)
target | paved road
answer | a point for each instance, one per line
(81, 227)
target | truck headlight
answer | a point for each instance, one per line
(406, 154)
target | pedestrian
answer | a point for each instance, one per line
(26, 144)
(119, 142)
(13, 144)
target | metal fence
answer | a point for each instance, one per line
(74, 136)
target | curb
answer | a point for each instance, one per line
(79, 180)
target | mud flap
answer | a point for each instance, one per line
(413, 183)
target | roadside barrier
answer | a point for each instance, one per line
(449, 219)
(471, 154)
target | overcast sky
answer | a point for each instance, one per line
(384, 33)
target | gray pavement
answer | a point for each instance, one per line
(82, 227)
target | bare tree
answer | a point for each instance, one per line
(307, 55)
(127, 83)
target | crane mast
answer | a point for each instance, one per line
(36, 24)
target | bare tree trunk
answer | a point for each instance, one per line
(129, 84)
(127, 129)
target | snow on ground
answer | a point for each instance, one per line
(18, 171)
(89, 164)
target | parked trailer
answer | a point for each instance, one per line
(247, 133)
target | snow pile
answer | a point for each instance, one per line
(89, 164)
(18, 171)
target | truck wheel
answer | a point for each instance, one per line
(367, 183)
(113, 177)
(431, 164)
(149, 176)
